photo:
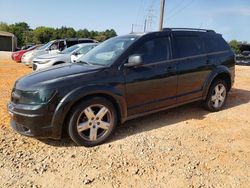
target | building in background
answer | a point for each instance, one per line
(8, 41)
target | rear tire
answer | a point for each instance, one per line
(92, 122)
(216, 96)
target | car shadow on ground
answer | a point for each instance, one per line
(164, 118)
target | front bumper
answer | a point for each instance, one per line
(27, 61)
(32, 121)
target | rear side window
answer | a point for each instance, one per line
(71, 42)
(185, 46)
(154, 50)
(215, 44)
(85, 41)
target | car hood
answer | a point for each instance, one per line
(39, 52)
(20, 51)
(51, 56)
(68, 73)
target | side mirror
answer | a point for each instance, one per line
(134, 60)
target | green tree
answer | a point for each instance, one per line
(83, 33)
(64, 32)
(18, 29)
(43, 34)
(4, 27)
(235, 45)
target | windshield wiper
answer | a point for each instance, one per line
(84, 62)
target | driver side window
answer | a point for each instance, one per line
(54, 46)
(154, 50)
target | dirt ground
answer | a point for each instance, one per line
(181, 147)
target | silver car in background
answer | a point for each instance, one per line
(53, 47)
(69, 55)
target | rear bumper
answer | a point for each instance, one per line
(32, 122)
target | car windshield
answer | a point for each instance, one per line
(85, 49)
(107, 52)
(45, 46)
(70, 49)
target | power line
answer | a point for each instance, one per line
(181, 9)
(138, 26)
(176, 7)
(139, 10)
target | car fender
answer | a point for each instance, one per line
(79, 93)
(218, 70)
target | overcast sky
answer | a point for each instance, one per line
(229, 17)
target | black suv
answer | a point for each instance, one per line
(123, 78)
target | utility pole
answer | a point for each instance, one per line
(161, 14)
(132, 29)
(145, 25)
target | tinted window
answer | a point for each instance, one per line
(154, 50)
(185, 46)
(61, 45)
(86, 41)
(71, 42)
(215, 44)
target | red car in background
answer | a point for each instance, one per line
(16, 56)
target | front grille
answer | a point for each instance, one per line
(34, 66)
(21, 128)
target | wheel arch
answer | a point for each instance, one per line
(219, 73)
(74, 97)
(58, 62)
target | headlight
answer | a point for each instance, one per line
(42, 62)
(32, 97)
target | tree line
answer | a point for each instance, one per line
(25, 35)
(236, 45)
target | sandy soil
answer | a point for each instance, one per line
(182, 147)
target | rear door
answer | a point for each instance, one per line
(151, 85)
(193, 69)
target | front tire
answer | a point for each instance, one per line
(92, 122)
(216, 96)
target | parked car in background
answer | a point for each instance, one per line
(24, 47)
(242, 59)
(16, 56)
(52, 47)
(123, 78)
(27, 46)
(65, 56)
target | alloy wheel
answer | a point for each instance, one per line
(219, 95)
(94, 122)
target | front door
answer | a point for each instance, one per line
(153, 84)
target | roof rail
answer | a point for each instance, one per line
(188, 29)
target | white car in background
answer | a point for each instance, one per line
(53, 47)
(69, 55)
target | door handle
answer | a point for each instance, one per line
(209, 62)
(171, 69)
